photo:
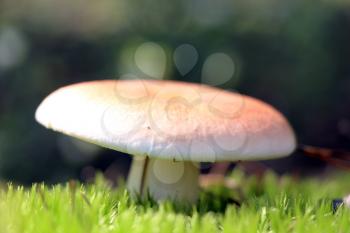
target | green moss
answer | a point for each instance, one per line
(269, 204)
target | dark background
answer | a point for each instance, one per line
(293, 54)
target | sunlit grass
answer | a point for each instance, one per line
(269, 205)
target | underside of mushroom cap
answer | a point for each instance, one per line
(169, 120)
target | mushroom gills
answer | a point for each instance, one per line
(164, 179)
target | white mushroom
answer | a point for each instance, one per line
(169, 127)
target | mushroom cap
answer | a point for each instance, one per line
(168, 120)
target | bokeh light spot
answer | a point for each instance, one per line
(168, 171)
(218, 69)
(150, 58)
(12, 48)
(185, 58)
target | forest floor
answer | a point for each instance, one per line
(268, 204)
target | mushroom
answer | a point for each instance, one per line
(169, 127)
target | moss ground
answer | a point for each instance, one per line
(270, 204)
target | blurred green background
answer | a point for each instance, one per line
(293, 54)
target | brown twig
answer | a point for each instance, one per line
(338, 158)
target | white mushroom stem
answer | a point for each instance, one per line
(164, 179)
